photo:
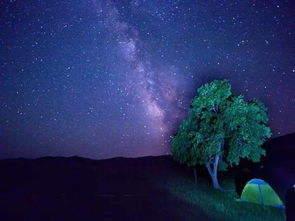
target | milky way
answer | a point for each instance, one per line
(103, 78)
(151, 87)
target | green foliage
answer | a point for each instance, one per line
(221, 123)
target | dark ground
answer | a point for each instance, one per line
(59, 188)
(82, 189)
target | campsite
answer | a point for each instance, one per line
(151, 188)
(148, 188)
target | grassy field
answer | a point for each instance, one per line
(218, 205)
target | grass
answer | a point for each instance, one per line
(218, 205)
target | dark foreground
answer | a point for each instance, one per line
(82, 189)
(151, 188)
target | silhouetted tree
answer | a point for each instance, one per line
(221, 128)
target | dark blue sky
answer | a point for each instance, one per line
(104, 78)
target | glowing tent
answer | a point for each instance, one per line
(260, 192)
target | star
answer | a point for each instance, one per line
(102, 79)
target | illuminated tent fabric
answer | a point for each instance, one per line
(260, 192)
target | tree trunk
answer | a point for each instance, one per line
(195, 175)
(213, 172)
(215, 182)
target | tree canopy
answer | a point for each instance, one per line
(221, 128)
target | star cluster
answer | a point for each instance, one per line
(104, 78)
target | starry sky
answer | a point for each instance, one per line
(108, 78)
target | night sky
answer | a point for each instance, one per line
(101, 79)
